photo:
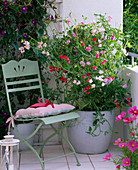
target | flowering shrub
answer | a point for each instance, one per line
(87, 60)
(128, 158)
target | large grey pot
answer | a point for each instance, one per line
(25, 130)
(86, 143)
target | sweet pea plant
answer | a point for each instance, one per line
(86, 60)
(129, 157)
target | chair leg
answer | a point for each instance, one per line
(67, 141)
(35, 152)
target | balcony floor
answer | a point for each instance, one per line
(28, 160)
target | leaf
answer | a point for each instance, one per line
(90, 128)
(15, 46)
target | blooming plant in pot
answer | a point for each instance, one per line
(129, 148)
(87, 60)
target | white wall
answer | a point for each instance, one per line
(87, 8)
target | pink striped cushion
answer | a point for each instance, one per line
(44, 111)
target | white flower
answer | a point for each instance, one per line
(78, 82)
(90, 81)
(103, 84)
(27, 45)
(93, 85)
(100, 78)
(100, 72)
(74, 81)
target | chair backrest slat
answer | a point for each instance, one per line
(21, 76)
(24, 88)
(23, 81)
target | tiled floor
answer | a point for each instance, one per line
(88, 162)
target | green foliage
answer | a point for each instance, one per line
(130, 25)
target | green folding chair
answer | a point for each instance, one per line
(14, 70)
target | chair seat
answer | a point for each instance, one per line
(60, 118)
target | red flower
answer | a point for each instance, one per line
(95, 45)
(88, 92)
(128, 99)
(94, 39)
(68, 62)
(51, 67)
(63, 79)
(61, 56)
(64, 57)
(67, 58)
(88, 74)
(82, 44)
(64, 71)
(117, 106)
(56, 68)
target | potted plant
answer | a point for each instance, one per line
(87, 61)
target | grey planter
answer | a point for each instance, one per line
(85, 143)
(25, 130)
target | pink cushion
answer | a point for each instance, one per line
(44, 111)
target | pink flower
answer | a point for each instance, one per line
(112, 38)
(94, 67)
(22, 49)
(68, 62)
(133, 145)
(122, 115)
(128, 75)
(102, 63)
(68, 21)
(44, 44)
(126, 162)
(82, 23)
(129, 120)
(67, 58)
(117, 141)
(83, 76)
(122, 145)
(74, 35)
(82, 63)
(125, 86)
(107, 157)
(88, 63)
(43, 52)
(103, 52)
(68, 41)
(88, 48)
(97, 55)
(133, 111)
(132, 134)
(110, 19)
(74, 81)
(118, 118)
(100, 45)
